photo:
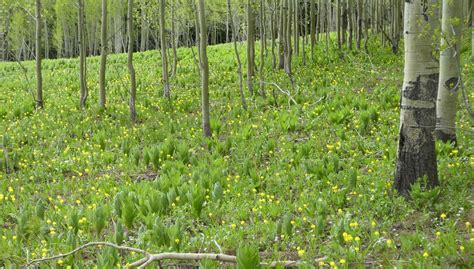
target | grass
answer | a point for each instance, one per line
(294, 181)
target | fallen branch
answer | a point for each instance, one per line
(150, 258)
(143, 263)
(90, 244)
(287, 93)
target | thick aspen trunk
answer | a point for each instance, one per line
(103, 55)
(416, 156)
(131, 69)
(449, 78)
(206, 125)
(39, 76)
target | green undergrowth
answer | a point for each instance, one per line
(301, 181)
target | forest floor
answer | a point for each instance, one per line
(305, 181)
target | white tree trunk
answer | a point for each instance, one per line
(416, 156)
(449, 78)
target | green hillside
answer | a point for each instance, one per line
(309, 179)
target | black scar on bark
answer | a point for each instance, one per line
(415, 91)
(446, 138)
(417, 158)
(452, 83)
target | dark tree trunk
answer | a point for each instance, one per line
(206, 125)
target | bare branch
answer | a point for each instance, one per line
(287, 93)
(150, 258)
(90, 244)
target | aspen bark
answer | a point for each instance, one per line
(312, 28)
(272, 32)
(82, 55)
(449, 77)
(143, 27)
(131, 69)
(288, 45)
(262, 49)
(416, 156)
(46, 39)
(174, 40)
(103, 55)
(296, 34)
(304, 29)
(358, 23)
(164, 57)
(250, 46)
(350, 24)
(237, 56)
(206, 125)
(39, 76)
(118, 37)
(338, 23)
(281, 36)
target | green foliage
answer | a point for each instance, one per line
(208, 264)
(309, 180)
(99, 220)
(129, 209)
(196, 197)
(248, 257)
(424, 197)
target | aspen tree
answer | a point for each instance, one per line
(164, 58)
(250, 45)
(237, 56)
(103, 55)
(449, 77)
(206, 125)
(82, 55)
(39, 76)
(131, 69)
(416, 156)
